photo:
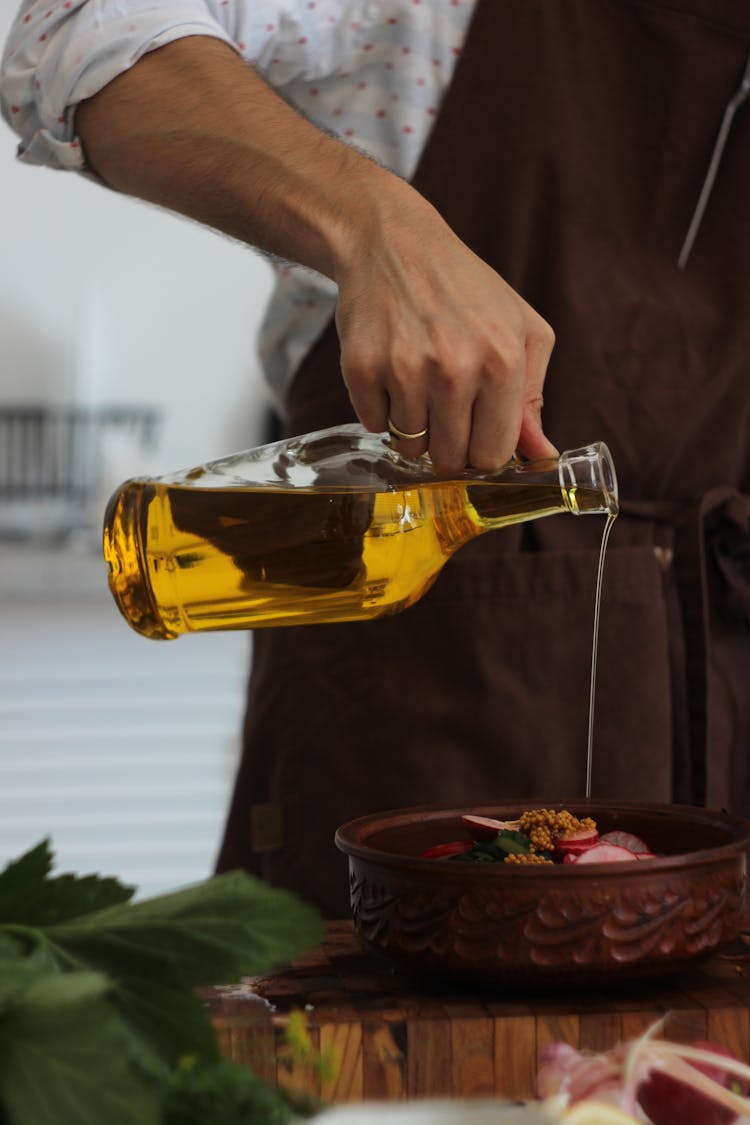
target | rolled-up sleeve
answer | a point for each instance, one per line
(58, 54)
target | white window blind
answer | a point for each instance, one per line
(122, 750)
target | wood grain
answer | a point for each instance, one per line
(472, 1051)
(515, 1056)
(384, 1051)
(397, 1038)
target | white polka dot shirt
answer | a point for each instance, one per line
(373, 72)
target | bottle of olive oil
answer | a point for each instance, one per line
(331, 526)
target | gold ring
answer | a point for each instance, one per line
(401, 435)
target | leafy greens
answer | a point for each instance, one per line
(98, 1001)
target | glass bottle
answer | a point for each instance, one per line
(331, 526)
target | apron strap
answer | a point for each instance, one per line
(711, 534)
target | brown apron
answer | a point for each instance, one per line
(569, 154)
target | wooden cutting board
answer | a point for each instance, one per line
(394, 1038)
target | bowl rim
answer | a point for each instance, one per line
(394, 817)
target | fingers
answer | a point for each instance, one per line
(478, 408)
(504, 415)
(495, 424)
(508, 407)
(388, 395)
(436, 393)
(443, 344)
(408, 410)
(532, 441)
(426, 399)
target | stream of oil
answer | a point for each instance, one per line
(595, 649)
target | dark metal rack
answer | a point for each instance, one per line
(54, 453)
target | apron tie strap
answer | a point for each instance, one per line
(727, 535)
(711, 551)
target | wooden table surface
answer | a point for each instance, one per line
(396, 1038)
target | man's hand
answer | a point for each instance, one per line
(431, 337)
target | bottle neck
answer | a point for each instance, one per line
(588, 480)
(582, 482)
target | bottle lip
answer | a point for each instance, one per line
(591, 466)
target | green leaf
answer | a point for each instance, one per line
(172, 1022)
(68, 897)
(158, 951)
(22, 877)
(507, 842)
(511, 847)
(98, 995)
(18, 969)
(29, 897)
(53, 991)
(214, 932)
(65, 1058)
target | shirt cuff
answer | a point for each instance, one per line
(108, 53)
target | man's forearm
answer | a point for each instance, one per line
(431, 337)
(191, 127)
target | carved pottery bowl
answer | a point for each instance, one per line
(548, 925)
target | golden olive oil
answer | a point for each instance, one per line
(187, 559)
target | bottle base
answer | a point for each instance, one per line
(127, 569)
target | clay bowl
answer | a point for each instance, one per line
(557, 925)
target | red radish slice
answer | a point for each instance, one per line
(482, 827)
(443, 851)
(626, 840)
(573, 843)
(606, 853)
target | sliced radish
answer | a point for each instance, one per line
(483, 827)
(626, 840)
(573, 843)
(605, 853)
(644, 855)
